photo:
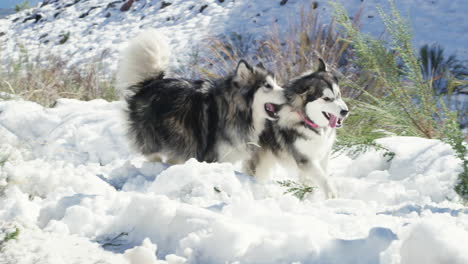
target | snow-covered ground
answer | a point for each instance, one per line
(98, 27)
(78, 195)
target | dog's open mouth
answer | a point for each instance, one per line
(272, 111)
(333, 121)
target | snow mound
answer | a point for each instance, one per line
(77, 194)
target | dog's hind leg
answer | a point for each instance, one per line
(259, 165)
(249, 166)
(154, 157)
(174, 160)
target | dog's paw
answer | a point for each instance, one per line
(330, 191)
(331, 195)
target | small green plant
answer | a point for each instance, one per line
(299, 190)
(64, 38)
(353, 146)
(22, 6)
(455, 138)
(10, 236)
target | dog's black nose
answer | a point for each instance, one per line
(344, 112)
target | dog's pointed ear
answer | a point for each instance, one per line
(243, 73)
(322, 66)
(260, 65)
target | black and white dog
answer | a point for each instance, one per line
(304, 135)
(174, 119)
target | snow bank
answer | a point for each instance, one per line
(433, 241)
(68, 132)
(79, 195)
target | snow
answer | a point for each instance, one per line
(78, 194)
(427, 242)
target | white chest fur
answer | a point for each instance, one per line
(316, 146)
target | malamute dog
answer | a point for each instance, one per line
(174, 119)
(305, 132)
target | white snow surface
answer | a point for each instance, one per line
(97, 28)
(78, 194)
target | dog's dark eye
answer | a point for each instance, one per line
(327, 99)
(267, 85)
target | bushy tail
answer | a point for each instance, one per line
(147, 56)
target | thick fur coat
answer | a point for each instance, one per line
(174, 119)
(304, 135)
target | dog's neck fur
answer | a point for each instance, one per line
(235, 130)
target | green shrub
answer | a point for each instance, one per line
(408, 105)
(22, 6)
(64, 38)
(9, 236)
(12, 235)
(299, 190)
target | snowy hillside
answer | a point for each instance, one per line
(78, 195)
(72, 191)
(95, 28)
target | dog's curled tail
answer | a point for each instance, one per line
(146, 57)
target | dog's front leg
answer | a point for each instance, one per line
(259, 165)
(312, 172)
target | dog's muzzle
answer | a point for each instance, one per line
(272, 111)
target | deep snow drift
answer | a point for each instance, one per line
(78, 195)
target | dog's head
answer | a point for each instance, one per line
(316, 98)
(259, 89)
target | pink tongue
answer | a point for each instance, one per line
(332, 121)
(270, 107)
